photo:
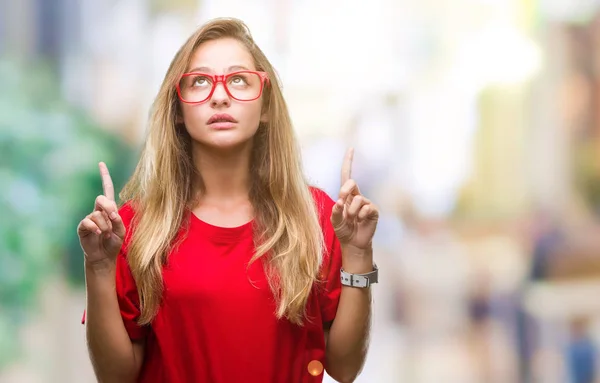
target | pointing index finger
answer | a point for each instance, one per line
(347, 166)
(107, 184)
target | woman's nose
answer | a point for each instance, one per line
(220, 96)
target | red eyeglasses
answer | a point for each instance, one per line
(197, 87)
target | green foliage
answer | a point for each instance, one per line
(49, 178)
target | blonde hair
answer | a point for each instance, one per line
(287, 235)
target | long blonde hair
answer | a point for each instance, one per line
(287, 235)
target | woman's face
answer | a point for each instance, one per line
(221, 122)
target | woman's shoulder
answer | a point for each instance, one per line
(323, 202)
(319, 194)
(127, 212)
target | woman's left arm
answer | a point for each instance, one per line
(354, 219)
(348, 337)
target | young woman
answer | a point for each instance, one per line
(223, 265)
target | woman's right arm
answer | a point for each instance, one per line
(115, 357)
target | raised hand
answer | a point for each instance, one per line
(354, 217)
(101, 233)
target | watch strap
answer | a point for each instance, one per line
(360, 280)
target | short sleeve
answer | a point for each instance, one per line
(129, 302)
(126, 288)
(330, 291)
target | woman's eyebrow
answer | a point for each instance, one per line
(205, 69)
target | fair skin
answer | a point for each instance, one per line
(114, 356)
(354, 220)
(222, 157)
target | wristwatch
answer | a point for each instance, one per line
(360, 280)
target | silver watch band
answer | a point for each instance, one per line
(360, 280)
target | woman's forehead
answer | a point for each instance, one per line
(221, 55)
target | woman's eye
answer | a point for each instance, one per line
(200, 81)
(238, 80)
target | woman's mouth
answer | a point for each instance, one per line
(221, 121)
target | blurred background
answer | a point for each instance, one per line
(476, 125)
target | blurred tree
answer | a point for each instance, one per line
(49, 177)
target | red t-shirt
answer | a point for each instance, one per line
(216, 323)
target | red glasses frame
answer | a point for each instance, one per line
(217, 78)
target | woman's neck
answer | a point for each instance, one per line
(225, 175)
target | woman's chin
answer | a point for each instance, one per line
(225, 143)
